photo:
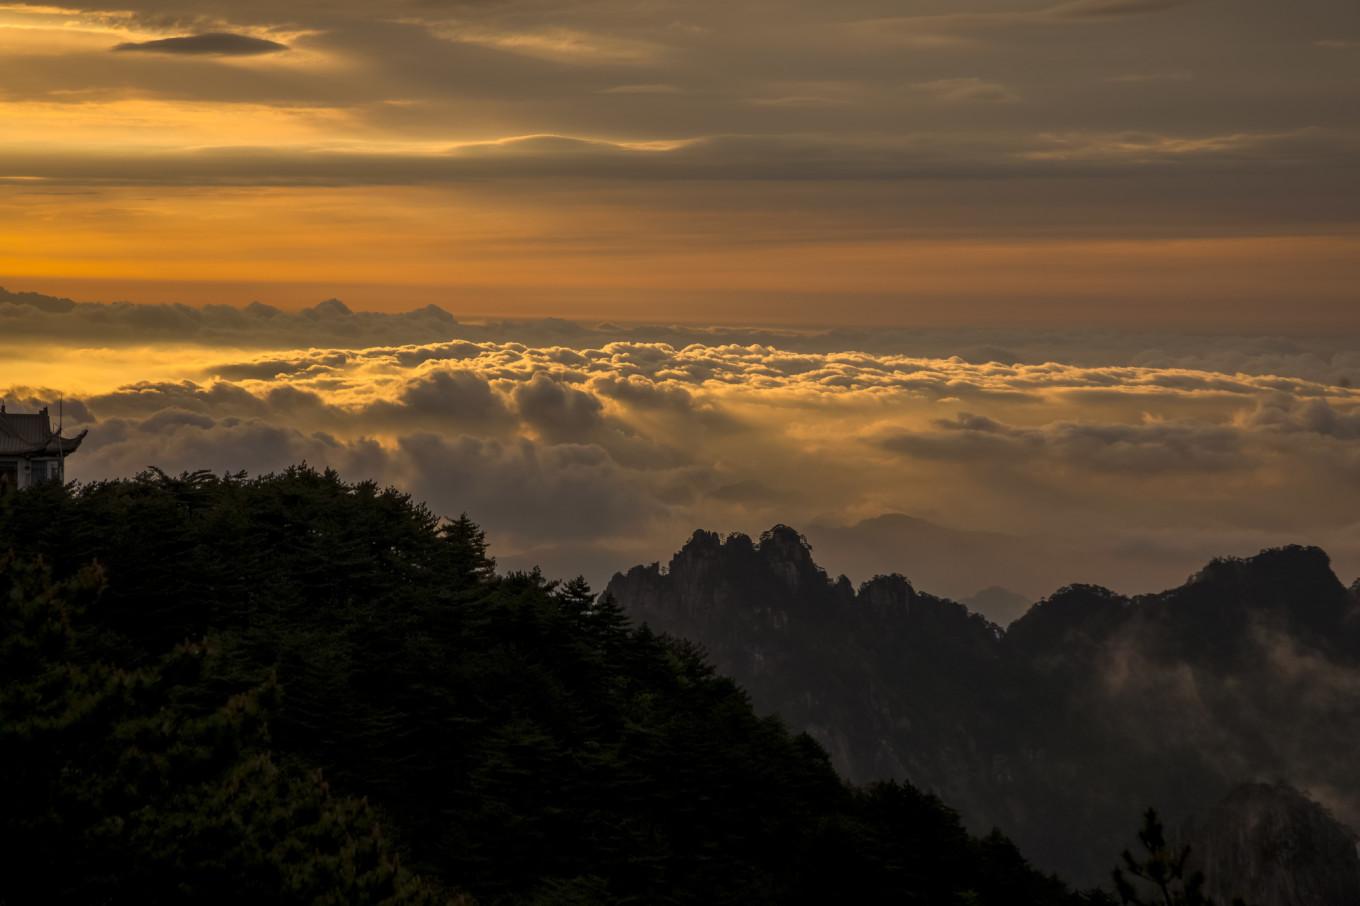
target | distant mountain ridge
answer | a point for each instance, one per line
(1087, 709)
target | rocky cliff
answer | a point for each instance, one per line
(1277, 846)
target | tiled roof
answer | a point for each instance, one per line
(31, 434)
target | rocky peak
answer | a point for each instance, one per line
(844, 590)
(700, 544)
(700, 554)
(1089, 611)
(1271, 573)
(784, 543)
(739, 545)
(789, 557)
(891, 592)
(1290, 587)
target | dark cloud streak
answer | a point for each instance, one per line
(1095, 9)
(219, 44)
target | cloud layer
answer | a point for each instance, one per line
(592, 447)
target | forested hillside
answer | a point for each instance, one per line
(294, 689)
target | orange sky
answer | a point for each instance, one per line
(395, 249)
(1086, 163)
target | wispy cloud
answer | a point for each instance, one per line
(967, 89)
(1082, 9)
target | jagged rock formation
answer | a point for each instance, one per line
(1278, 846)
(768, 615)
(1059, 729)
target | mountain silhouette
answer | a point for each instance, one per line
(1089, 708)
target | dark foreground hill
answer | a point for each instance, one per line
(1087, 709)
(293, 689)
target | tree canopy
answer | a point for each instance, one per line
(295, 689)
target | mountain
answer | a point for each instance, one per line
(1000, 605)
(1086, 710)
(294, 689)
(1275, 842)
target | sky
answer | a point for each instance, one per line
(1180, 163)
(989, 292)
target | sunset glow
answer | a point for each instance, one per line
(594, 161)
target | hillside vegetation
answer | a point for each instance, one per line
(295, 689)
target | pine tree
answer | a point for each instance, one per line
(468, 550)
(1162, 870)
(575, 596)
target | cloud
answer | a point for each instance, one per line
(217, 44)
(640, 392)
(1287, 414)
(1216, 710)
(1139, 451)
(557, 411)
(762, 158)
(1096, 9)
(526, 493)
(537, 493)
(599, 445)
(846, 357)
(447, 400)
(918, 29)
(451, 391)
(960, 90)
(1135, 78)
(148, 397)
(643, 88)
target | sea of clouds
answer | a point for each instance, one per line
(1119, 458)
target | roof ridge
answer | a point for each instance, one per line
(4, 423)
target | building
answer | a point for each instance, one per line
(30, 451)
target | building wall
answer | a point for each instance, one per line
(25, 472)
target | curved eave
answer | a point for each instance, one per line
(65, 445)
